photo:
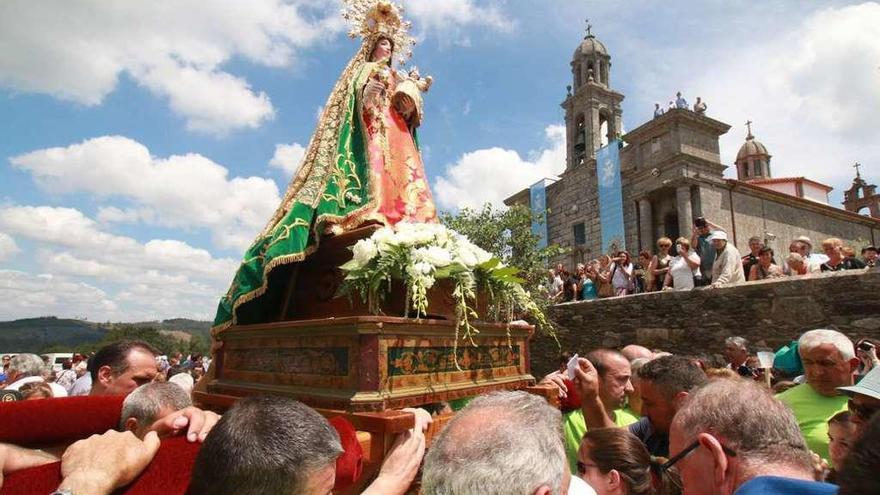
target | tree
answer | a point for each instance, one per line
(164, 343)
(508, 235)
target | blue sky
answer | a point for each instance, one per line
(144, 145)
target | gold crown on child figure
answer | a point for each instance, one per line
(375, 19)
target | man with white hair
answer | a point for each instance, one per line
(30, 368)
(829, 362)
(732, 437)
(502, 443)
(736, 352)
(150, 402)
(727, 267)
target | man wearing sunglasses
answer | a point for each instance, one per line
(864, 400)
(731, 437)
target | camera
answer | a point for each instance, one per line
(745, 371)
(865, 346)
(700, 222)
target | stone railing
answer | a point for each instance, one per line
(769, 313)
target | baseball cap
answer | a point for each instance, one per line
(869, 385)
(718, 235)
(806, 239)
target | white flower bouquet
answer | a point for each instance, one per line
(420, 255)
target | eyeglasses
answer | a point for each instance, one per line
(582, 467)
(690, 448)
(864, 412)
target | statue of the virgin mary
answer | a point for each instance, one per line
(362, 163)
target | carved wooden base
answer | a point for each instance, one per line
(368, 363)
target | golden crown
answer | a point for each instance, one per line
(374, 19)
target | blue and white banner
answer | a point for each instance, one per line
(538, 206)
(610, 197)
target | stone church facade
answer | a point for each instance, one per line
(671, 172)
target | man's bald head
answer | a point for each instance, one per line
(634, 351)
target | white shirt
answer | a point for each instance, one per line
(82, 385)
(57, 390)
(817, 258)
(579, 487)
(682, 273)
(621, 275)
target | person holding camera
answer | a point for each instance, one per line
(622, 274)
(684, 268)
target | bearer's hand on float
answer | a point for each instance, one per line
(14, 458)
(102, 463)
(372, 90)
(586, 378)
(557, 380)
(403, 459)
(196, 422)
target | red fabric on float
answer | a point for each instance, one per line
(66, 420)
(31, 423)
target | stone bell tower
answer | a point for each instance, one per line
(592, 109)
(862, 195)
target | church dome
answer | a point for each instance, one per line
(590, 46)
(751, 147)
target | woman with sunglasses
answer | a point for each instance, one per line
(615, 462)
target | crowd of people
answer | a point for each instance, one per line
(33, 376)
(680, 103)
(629, 421)
(707, 259)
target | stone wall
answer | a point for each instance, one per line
(767, 313)
(571, 200)
(757, 212)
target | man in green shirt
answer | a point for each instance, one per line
(615, 381)
(829, 362)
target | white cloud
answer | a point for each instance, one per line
(813, 91)
(287, 157)
(8, 247)
(446, 20)
(83, 241)
(77, 50)
(128, 280)
(182, 191)
(490, 175)
(23, 295)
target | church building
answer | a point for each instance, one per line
(670, 172)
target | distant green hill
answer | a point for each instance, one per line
(49, 333)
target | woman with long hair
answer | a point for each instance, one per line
(615, 462)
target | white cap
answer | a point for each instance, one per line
(718, 235)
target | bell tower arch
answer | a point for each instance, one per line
(862, 195)
(593, 115)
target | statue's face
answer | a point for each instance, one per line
(381, 50)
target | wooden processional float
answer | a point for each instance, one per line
(332, 354)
